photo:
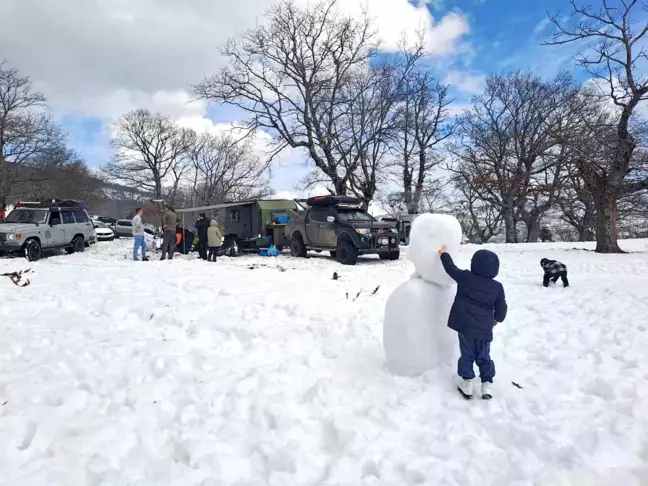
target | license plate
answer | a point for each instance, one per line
(383, 241)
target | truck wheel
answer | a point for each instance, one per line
(297, 248)
(347, 254)
(333, 254)
(394, 255)
(77, 246)
(383, 256)
(33, 250)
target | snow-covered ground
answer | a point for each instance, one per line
(260, 371)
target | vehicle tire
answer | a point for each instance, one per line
(346, 253)
(33, 250)
(384, 256)
(297, 247)
(394, 255)
(77, 246)
(333, 254)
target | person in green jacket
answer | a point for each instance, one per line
(214, 240)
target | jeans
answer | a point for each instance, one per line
(202, 249)
(554, 279)
(475, 351)
(168, 244)
(139, 242)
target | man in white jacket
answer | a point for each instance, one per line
(138, 235)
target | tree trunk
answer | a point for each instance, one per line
(585, 232)
(509, 224)
(533, 230)
(606, 223)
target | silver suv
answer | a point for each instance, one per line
(32, 228)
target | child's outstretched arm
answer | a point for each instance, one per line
(449, 266)
(501, 308)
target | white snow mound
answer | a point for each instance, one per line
(429, 233)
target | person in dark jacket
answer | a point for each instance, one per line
(553, 270)
(202, 225)
(480, 304)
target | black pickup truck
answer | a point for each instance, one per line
(338, 224)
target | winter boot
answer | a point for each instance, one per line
(487, 390)
(466, 389)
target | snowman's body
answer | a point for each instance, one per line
(416, 336)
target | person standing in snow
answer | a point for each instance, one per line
(138, 235)
(170, 222)
(214, 240)
(202, 225)
(480, 304)
(553, 270)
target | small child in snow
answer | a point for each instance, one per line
(480, 305)
(553, 270)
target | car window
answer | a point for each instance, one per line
(55, 218)
(80, 216)
(125, 223)
(235, 216)
(26, 216)
(354, 215)
(319, 214)
(68, 217)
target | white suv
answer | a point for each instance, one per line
(32, 228)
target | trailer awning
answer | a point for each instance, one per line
(216, 206)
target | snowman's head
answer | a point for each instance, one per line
(429, 233)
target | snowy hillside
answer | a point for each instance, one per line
(257, 371)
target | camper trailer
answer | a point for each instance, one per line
(253, 224)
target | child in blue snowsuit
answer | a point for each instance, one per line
(480, 305)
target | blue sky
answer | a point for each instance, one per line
(97, 60)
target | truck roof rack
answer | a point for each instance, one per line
(52, 203)
(333, 201)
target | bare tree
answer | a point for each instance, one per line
(576, 204)
(225, 169)
(289, 74)
(150, 153)
(59, 173)
(615, 55)
(26, 131)
(508, 153)
(422, 124)
(480, 220)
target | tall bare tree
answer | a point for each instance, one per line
(508, 152)
(422, 125)
(26, 131)
(150, 153)
(288, 74)
(614, 54)
(225, 168)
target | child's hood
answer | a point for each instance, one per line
(485, 264)
(213, 223)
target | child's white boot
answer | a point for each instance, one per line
(487, 391)
(466, 388)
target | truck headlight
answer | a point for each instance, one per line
(13, 237)
(363, 231)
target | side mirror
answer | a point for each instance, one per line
(330, 219)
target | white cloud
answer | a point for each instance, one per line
(101, 57)
(466, 82)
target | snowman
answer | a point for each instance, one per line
(416, 336)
